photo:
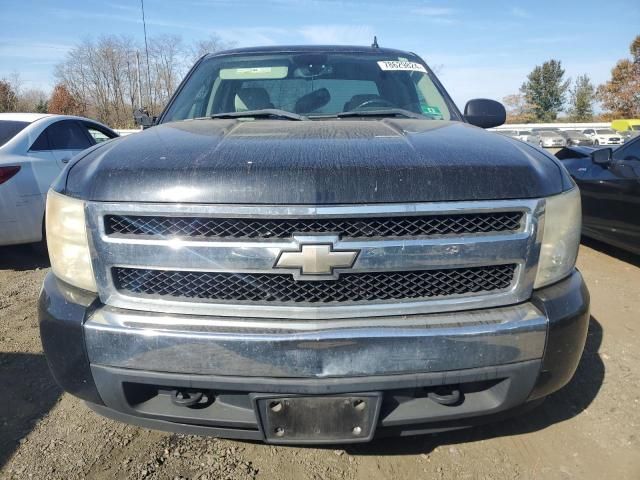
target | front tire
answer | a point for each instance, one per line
(596, 142)
(41, 247)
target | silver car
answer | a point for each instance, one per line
(551, 139)
(528, 136)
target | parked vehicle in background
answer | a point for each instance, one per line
(550, 138)
(34, 148)
(603, 136)
(314, 245)
(527, 136)
(631, 124)
(575, 138)
(507, 133)
(609, 181)
(523, 135)
(545, 129)
(628, 135)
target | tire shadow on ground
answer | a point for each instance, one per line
(27, 394)
(565, 404)
(23, 257)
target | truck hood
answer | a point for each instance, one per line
(313, 162)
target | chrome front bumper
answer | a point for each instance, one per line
(315, 349)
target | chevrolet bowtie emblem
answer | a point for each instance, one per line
(316, 259)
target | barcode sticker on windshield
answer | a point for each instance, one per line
(404, 66)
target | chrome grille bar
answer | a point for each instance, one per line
(363, 227)
(257, 256)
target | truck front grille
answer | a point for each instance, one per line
(247, 228)
(223, 260)
(282, 288)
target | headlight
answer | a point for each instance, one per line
(561, 238)
(67, 241)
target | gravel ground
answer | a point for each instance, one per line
(588, 430)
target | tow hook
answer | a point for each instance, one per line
(445, 396)
(188, 398)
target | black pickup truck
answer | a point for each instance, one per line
(313, 245)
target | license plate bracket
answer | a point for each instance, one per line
(348, 418)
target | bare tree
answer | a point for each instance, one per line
(518, 110)
(212, 44)
(166, 58)
(32, 100)
(8, 98)
(107, 76)
(102, 77)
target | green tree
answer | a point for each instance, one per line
(545, 90)
(620, 96)
(582, 96)
(42, 106)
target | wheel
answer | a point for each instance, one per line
(596, 142)
(41, 247)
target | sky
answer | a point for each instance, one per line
(478, 48)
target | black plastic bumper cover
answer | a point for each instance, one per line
(566, 305)
(64, 309)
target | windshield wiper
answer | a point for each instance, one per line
(262, 113)
(379, 112)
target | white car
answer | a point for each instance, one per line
(34, 148)
(523, 135)
(528, 136)
(603, 136)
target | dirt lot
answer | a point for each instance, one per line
(589, 430)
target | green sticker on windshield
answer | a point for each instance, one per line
(431, 111)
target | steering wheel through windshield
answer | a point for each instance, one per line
(374, 102)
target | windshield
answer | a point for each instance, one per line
(606, 131)
(9, 129)
(310, 84)
(547, 133)
(635, 127)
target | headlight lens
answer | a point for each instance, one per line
(67, 241)
(561, 239)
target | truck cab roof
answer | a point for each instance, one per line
(310, 49)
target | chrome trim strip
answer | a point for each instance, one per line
(310, 211)
(417, 253)
(251, 347)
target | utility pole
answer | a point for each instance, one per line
(140, 105)
(146, 48)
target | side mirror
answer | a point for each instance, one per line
(484, 113)
(602, 156)
(142, 118)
